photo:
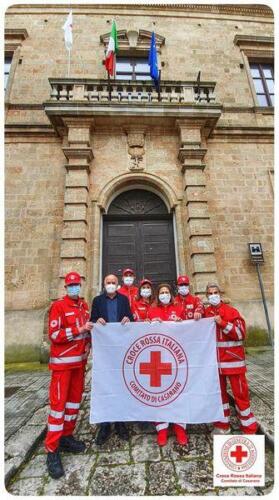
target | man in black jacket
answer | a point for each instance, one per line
(111, 307)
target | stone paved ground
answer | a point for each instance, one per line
(137, 467)
(260, 365)
(25, 392)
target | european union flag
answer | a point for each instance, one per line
(153, 63)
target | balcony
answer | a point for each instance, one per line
(121, 100)
(124, 91)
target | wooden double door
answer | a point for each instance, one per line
(141, 238)
(147, 246)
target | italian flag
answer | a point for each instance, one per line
(112, 50)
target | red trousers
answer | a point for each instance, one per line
(240, 390)
(65, 393)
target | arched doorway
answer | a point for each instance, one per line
(138, 233)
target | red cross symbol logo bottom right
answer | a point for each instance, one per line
(239, 453)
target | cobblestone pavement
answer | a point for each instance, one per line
(260, 366)
(139, 466)
(25, 393)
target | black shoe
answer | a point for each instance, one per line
(54, 465)
(69, 443)
(103, 434)
(121, 430)
(143, 426)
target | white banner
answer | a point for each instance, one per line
(163, 372)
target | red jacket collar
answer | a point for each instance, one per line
(164, 306)
(216, 308)
(129, 287)
(141, 300)
(183, 298)
(72, 302)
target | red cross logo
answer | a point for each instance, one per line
(239, 454)
(155, 368)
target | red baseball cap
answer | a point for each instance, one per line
(72, 278)
(144, 281)
(128, 271)
(183, 280)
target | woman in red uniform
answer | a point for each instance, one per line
(166, 310)
(143, 301)
(140, 309)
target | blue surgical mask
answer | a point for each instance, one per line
(214, 299)
(73, 290)
(165, 298)
(128, 280)
(183, 290)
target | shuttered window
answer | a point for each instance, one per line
(7, 68)
(132, 68)
(263, 78)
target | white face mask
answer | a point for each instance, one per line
(128, 280)
(111, 288)
(145, 293)
(214, 299)
(164, 298)
(183, 290)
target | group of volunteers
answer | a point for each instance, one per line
(70, 324)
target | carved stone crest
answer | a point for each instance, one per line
(136, 143)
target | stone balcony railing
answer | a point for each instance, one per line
(126, 92)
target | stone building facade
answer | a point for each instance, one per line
(202, 149)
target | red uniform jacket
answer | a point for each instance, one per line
(167, 312)
(191, 304)
(69, 348)
(140, 309)
(230, 336)
(130, 292)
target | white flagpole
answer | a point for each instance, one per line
(69, 61)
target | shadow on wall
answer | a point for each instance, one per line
(256, 336)
(45, 345)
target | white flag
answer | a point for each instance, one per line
(158, 372)
(68, 31)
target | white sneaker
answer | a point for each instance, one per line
(216, 431)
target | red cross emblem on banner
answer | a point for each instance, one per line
(155, 369)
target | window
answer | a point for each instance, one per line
(7, 68)
(132, 68)
(263, 78)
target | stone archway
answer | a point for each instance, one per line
(138, 233)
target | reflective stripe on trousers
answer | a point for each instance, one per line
(248, 422)
(56, 414)
(232, 343)
(68, 418)
(55, 427)
(243, 413)
(72, 406)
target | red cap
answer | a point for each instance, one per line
(72, 278)
(183, 280)
(145, 280)
(128, 271)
